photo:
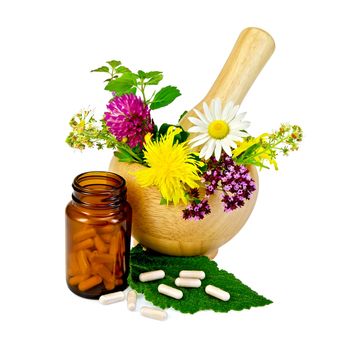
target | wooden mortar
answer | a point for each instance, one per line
(161, 227)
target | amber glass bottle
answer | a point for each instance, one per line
(98, 229)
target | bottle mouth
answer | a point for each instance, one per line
(99, 188)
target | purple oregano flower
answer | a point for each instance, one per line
(128, 118)
(234, 180)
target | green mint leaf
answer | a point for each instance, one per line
(122, 69)
(153, 77)
(165, 96)
(153, 74)
(103, 69)
(114, 63)
(141, 74)
(123, 85)
(194, 299)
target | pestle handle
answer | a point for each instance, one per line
(252, 50)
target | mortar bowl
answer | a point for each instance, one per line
(162, 228)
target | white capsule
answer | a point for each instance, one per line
(111, 298)
(188, 282)
(217, 292)
(151, 312)
(151, 275)
(192, 274)
(131, 300)
(170, 291)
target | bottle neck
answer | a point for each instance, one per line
(99, 190)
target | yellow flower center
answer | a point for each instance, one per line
(218, 129)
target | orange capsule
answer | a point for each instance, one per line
(88, 243)
(113, 247)
(88, 254)
(73, 266)
(109, 285)
(110, 266)
(102, 271)
(89, 283)
(84, 234)
(102, 258)
(106, 237)
(83, 262)
(107, 229)
(100, 245)
(73, 281)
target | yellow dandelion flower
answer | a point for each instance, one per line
(171, 167)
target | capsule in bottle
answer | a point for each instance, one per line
(89, 283)
(83, 235)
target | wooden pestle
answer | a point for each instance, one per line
(252, 50)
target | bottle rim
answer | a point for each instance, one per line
(117, 184)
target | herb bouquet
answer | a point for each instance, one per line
(192, 185)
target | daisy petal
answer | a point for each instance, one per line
(199, 142)
(207, 112)
(232, 144)
(218, 150)
(236, 138)
(216, 109)
(197, 129)
(203, 150)
(197, 121)
(241, 133)
(228, 111)
(210, 149)
(241, 116)
(233, 114)
(226, 147)
(201, 116)
(235, 109)
(244, 125)
(199, 137)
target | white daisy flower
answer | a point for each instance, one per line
(218, 129)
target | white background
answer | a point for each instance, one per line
(295, 247)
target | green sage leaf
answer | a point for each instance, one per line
(194, 299)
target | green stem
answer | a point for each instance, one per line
(150, 99)
(142, 89)
(271, 146)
